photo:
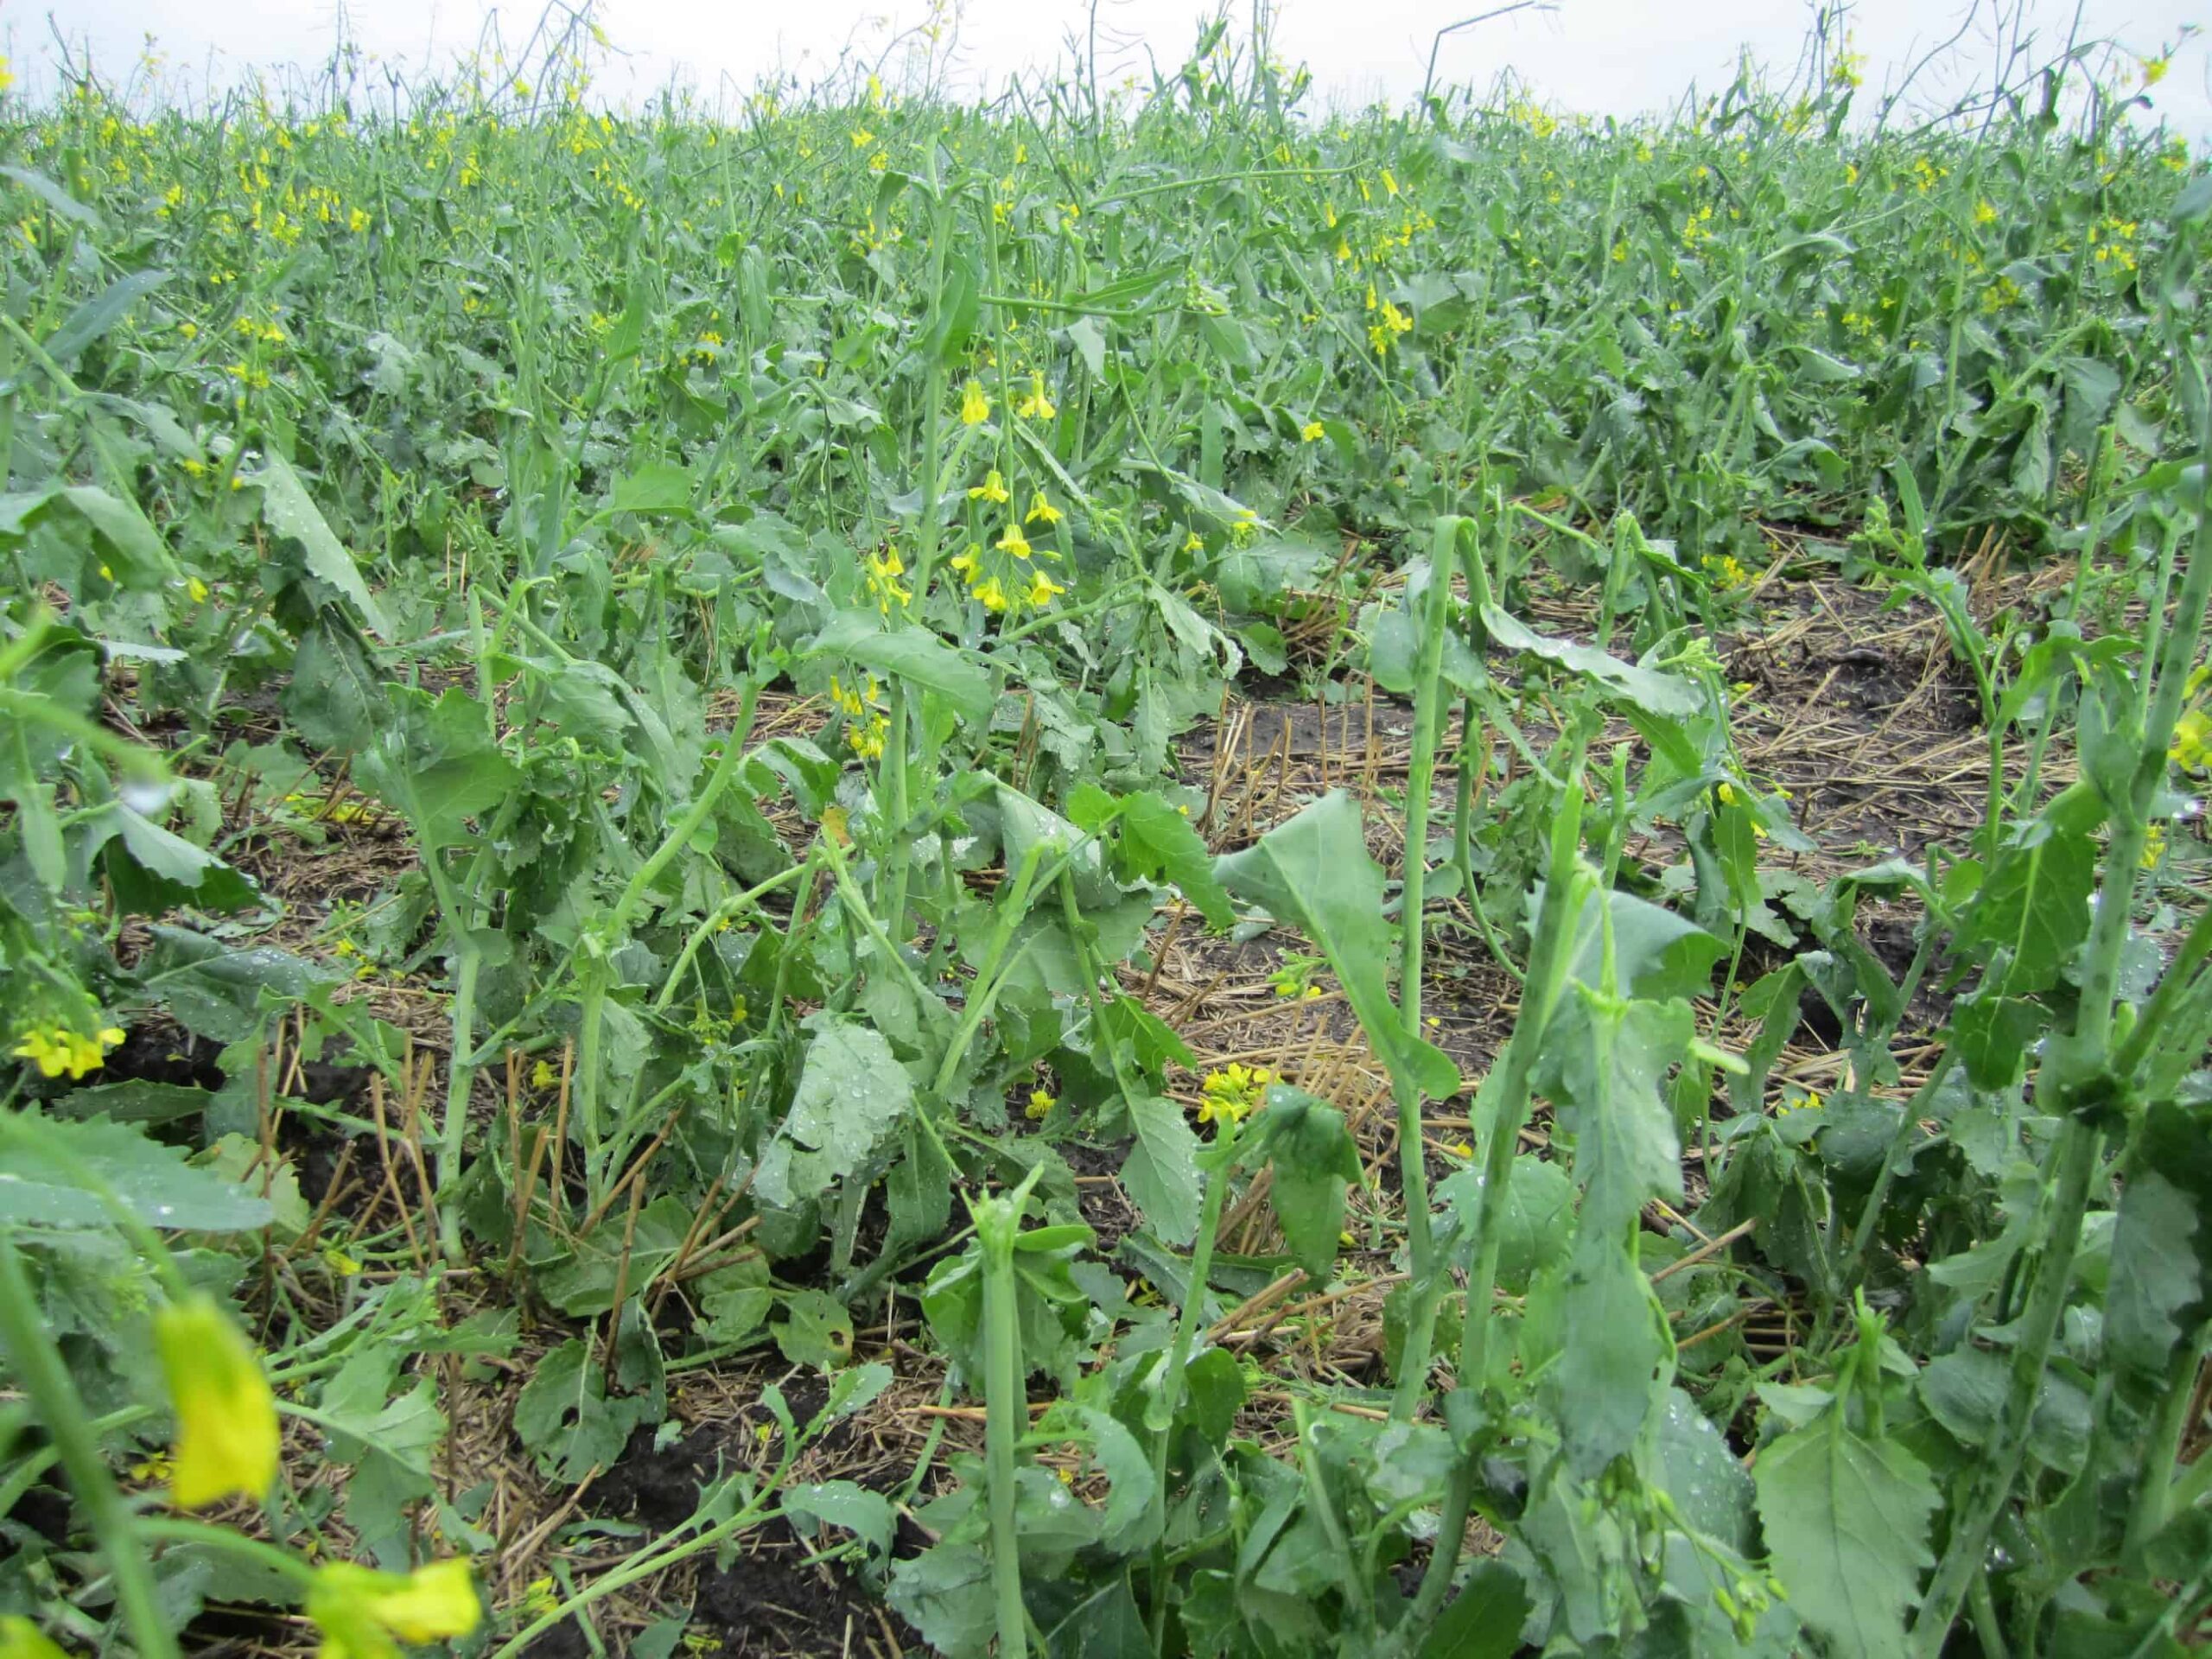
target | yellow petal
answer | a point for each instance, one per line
(431, 1602)
(226, 1433)
(20, 1639)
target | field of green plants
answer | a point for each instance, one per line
(1124, 873)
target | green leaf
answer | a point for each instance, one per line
(1656, 952)
(814, 1331)
(1315, 874)
(1314, 1159)
(1712, 1491)
(1607, 1378)
(944, 1592)
(222, 992)
(53, 195)
(1484, 1620)
(582, 1282)
(138, 1100)
(291, 513)
(915, 655)
(1965, 1391)
(1992, 1034)
(852, 1092)
(1846, 1522)
(1604, 1061)
(386, 1440)
(2034, 906)
(43, 1184)
(1089, 342)
(1535, 1223)
(566, 1418)
(155, 869)
(1160, 1174)
(1648, 689)
(99, 313)
(1157, 840)
(868, 1516)
(133, 545)
(335, 697)
(436, 765)
(238, 1158)
(953, 318)
(1126, 1465)
(2161, 1283)
(657, 487)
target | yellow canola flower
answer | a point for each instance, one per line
(1042, 588)
(1014, 542)
(991, 593)
(1041, 510)
(226, 1434)
(19, 1637)
(992, 489)
(1229, 1094)
(975, 403)
(361, 1611)
(2191, 749)
(1037, 404)
(56, 1049)
(1312, 432)
(1041, 1103)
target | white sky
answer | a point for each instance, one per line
(1600, 56)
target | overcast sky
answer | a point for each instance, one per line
(1599, 56)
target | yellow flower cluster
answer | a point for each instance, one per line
(884, 570)
(1390, 323)
(56, 1049)
(2113, 243)
(1725, 569)
(975, 403)
(865, 735)
(364, 1614)
(1230, 1094)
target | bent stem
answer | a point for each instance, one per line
(1567, 887)
(2076, 1079)
(1412, 1158)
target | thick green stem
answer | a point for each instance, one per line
(461, 1073)
(1223, 1154)
(45, 1378)
(1412, 1155)
(1569, 886)
(2075, 1153)
(894, 859)
(1006, 1407)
